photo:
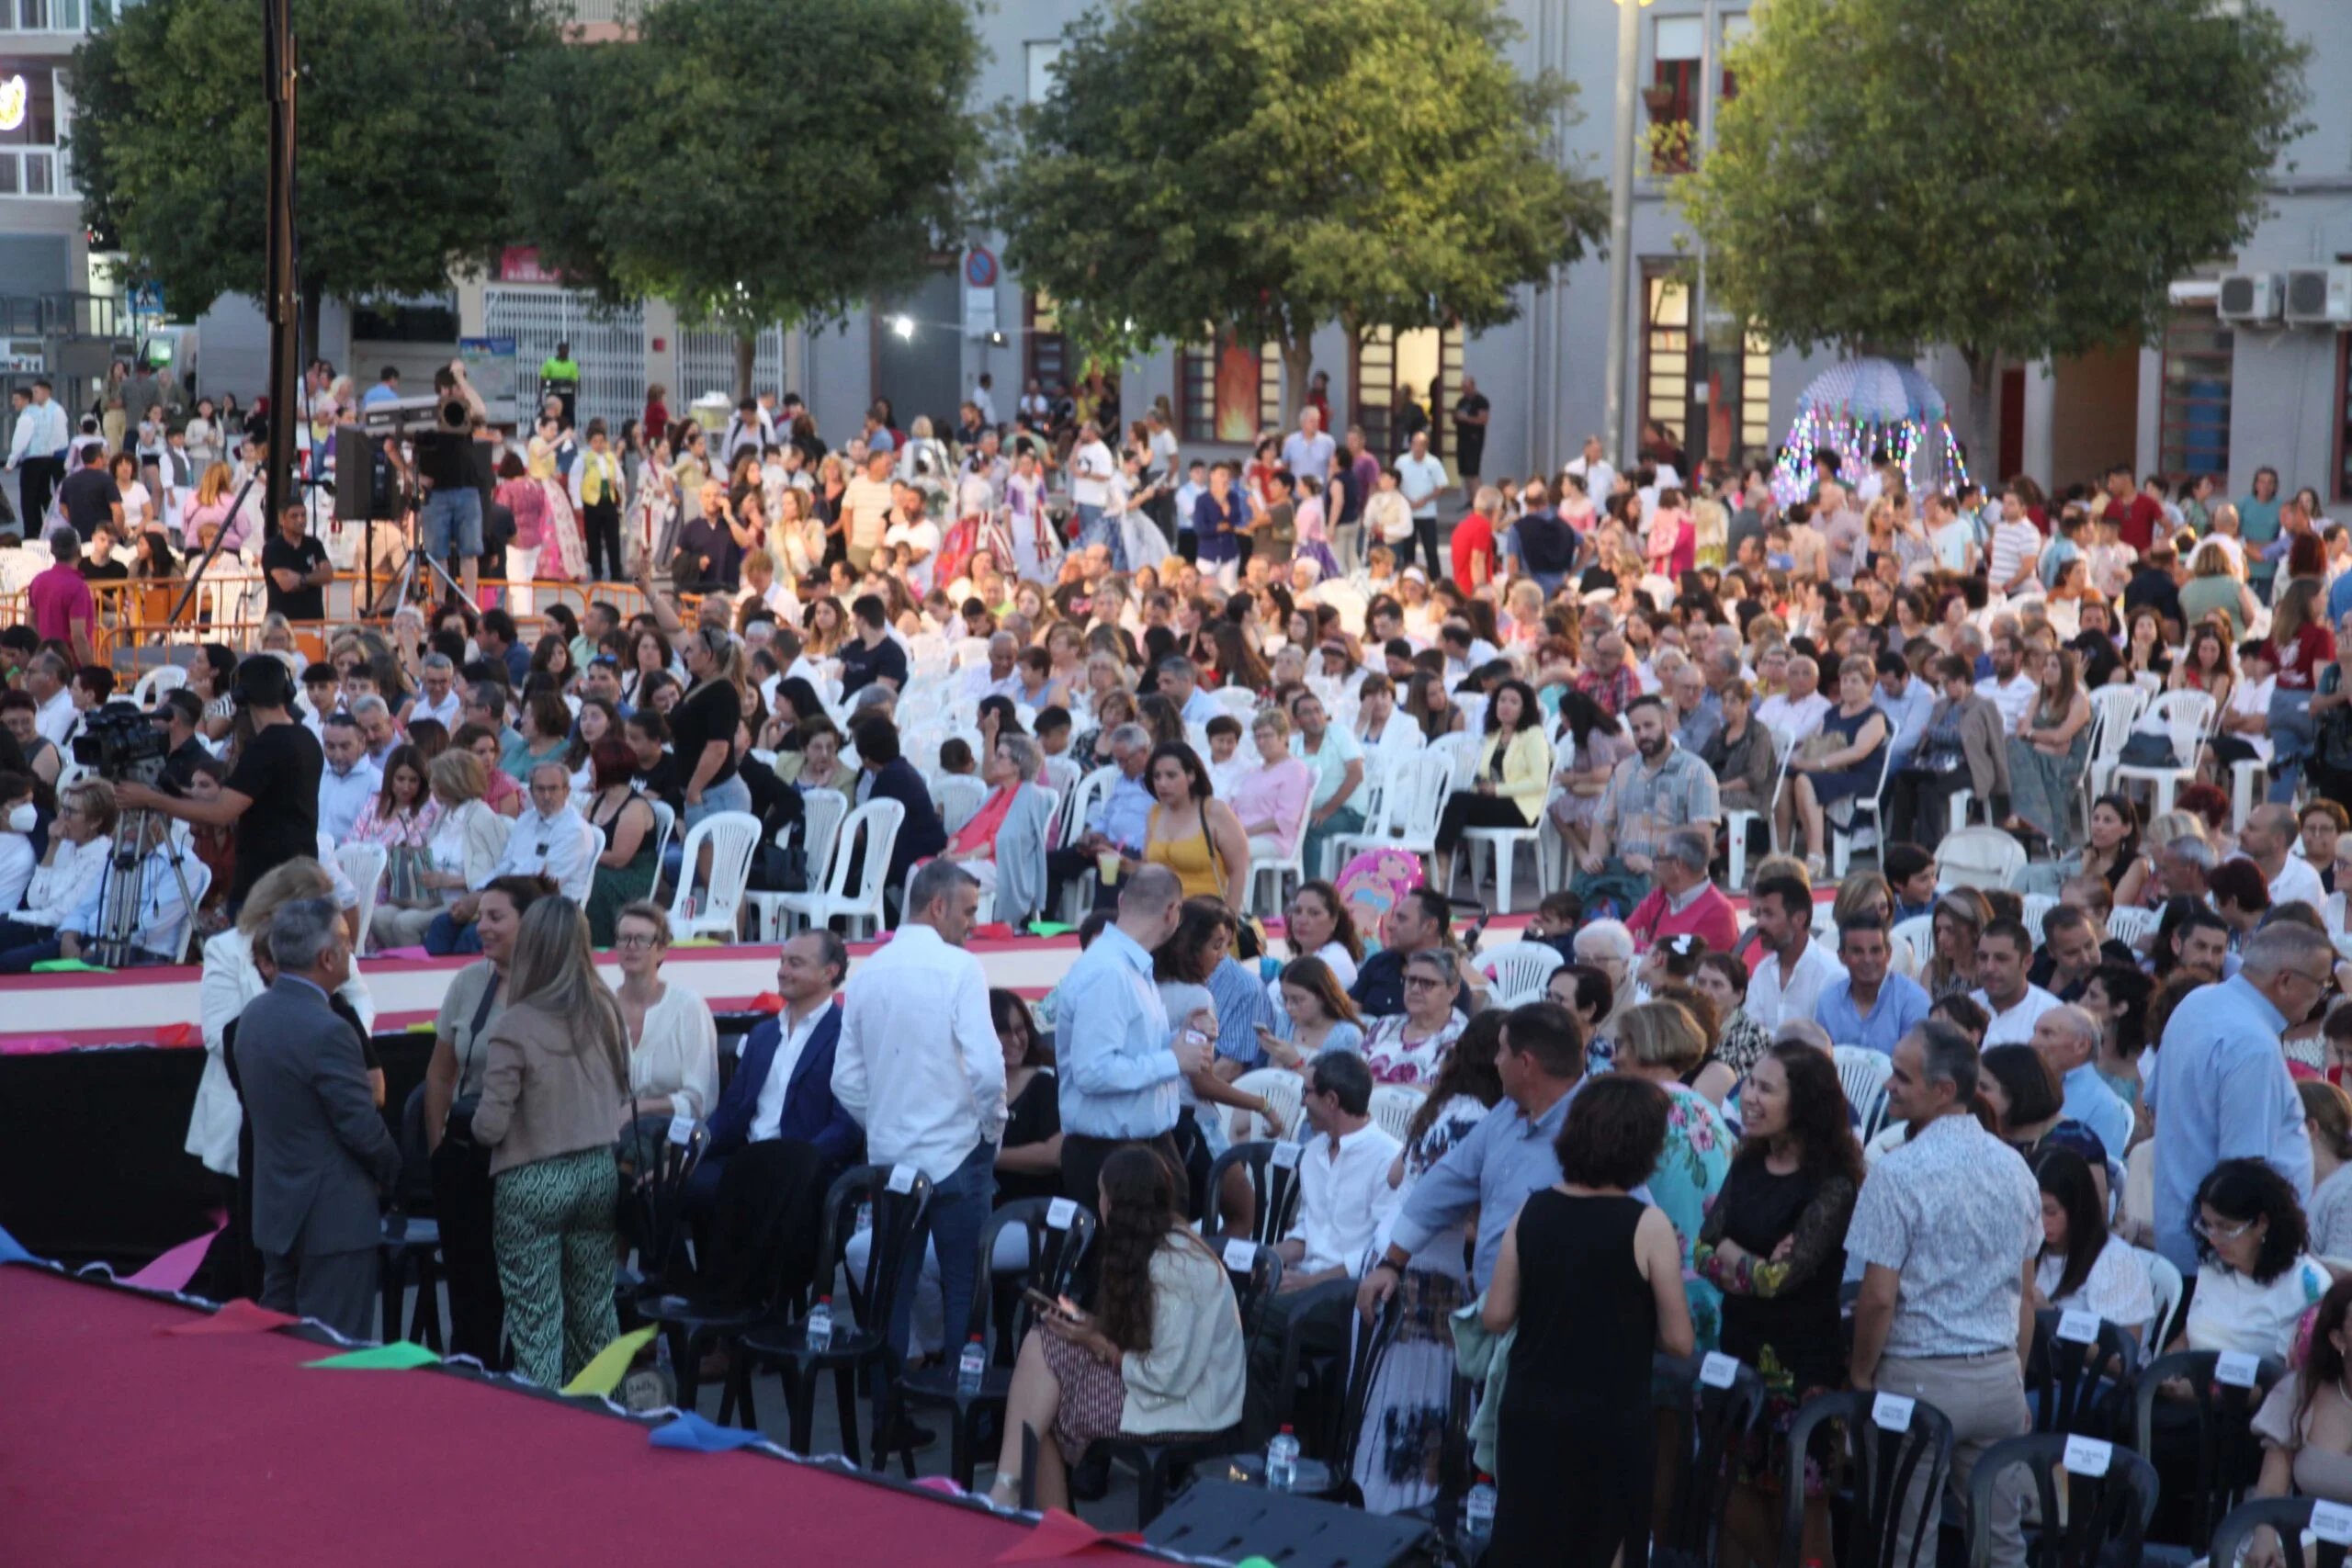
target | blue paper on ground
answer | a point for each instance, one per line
(13, 1251)
(695, 1435)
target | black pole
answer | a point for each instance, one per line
(284, 302)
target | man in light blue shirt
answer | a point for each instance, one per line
(1179, 683)
(1869, 1007)
(2220, 1089)
(1306, 451)
(1905, 700)
(2068, 1037)
(1119, 1059)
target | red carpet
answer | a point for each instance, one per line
(127, 1445)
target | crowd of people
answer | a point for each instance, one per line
(1171, 680)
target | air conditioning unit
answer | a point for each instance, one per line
(2248, 298)
(2319, 297)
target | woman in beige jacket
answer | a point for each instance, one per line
(1162, 1358)
(558, 1065)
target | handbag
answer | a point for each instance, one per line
(2143, 749)
(460, 1128)
(404, 871)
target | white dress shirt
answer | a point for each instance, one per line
(53, 721)
(1344, 1197)
(1772, 1001)
(343, 797)
(562, 847)
(2298, 883)
(445, 712)
(2014, 1027)
(767, 1115)
(918, 1067)
(678, 1053)
(58, 889)
(41, 432)
(17, 863)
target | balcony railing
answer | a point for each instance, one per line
(43, 15)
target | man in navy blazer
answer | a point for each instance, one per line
(889, 776)
(778, 1138)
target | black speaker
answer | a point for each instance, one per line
(355, 474)
(1219, 1520)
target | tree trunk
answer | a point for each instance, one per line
(747, 355)
(1298, 364)
(1983, 439)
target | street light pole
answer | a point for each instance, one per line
(284, 302)
(1621, 223)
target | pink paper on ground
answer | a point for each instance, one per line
(174, 1268)
(242, 1315)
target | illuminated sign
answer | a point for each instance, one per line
(14, 96)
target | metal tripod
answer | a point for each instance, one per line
(401, 584)
(116, 944)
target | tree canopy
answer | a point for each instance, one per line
(728, 161)
(2018, 179)
(1269, 166)
(399, 112)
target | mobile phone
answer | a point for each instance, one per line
(1047, 1304)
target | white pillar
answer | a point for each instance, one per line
(2037, 447)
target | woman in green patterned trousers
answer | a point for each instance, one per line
(557, 1069)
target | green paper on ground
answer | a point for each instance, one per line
(396, 1357)
(68, 966)
(1049, 928)
(604, 1374)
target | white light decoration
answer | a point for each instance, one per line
(903, 325)
(14, 96)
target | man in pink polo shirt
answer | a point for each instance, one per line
(1685, 901)
(60, 600)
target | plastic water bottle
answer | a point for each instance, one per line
(1478, 1508)
(865, 1218)
(972, 1368)
(819, 1334)
(1282, 1461)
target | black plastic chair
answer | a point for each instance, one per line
(692, 1320)
(1157, 1466)
(1053, 1259)
(2290, 1517)
(2100, 1519)
(1715, 1426)
(2229, 1456)
(1274, 1188)
(900, 1224)
(410, 1245)
(2077, 1385)
(1338, 1389)
(1884, 1466)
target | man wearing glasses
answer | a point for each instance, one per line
(2220, 1088)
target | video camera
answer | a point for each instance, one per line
(121, 744)
(416, 416)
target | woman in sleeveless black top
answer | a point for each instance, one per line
(1592, 1279)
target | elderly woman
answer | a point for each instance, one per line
(674, 1042)
(2048, 752)
(80, 840)
(1846, 762)
(1272, 799)
(1741, 1041)
(1411, 1046)
(1007, 833)
(1607, 946)
(461, 853)
(233, 978)
(558, 1062)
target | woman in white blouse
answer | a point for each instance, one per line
(674, 1042)
(2257, 1278)
(230, 980)
(464, 848)
(2083, 1264)
(78, 842)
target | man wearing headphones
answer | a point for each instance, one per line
(272, 799)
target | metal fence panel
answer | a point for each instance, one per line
(608, 344)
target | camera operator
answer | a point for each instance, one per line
(446, 467)
(272, 799)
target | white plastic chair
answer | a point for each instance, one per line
(1917, 935)
(1843, 840)
(1281, 866)
(2132, 926)
(879, 820)
(1979, 857)
(2113, 710)
(1078, 896)
(2166, 1285)
(967, 651)
(1238, 701)
(1863, 1072)
(156, 682)
(1394, 1106)
(1520, 970)
(732, 838)
(1503, 843)
(958, 798)
(821, 811)
(2186, 718)
(2037, 909)
(364, 865)
(1418, 794)
(1736, 823)
(665, 821)
(1280, 1088)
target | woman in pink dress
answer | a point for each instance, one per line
(563, 549)
(1673, 536)
(1271, 802)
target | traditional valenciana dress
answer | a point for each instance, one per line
(567, 561)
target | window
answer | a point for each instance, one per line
(1040, 57)
(1222, 390)
(1672, 95)
(1666, 346)
(1754, 395)
(2193, 430)
(29, 150)
(1427, 363)
(41, 16)
(1044, 352)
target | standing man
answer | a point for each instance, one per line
(1337, 758)
(37, 452)
(321, 1152)
(2014, 1003)
(1422, 479)
(1865, 1005)
(1306, 451)
(1091, 472)
(867, 503)
(58, 600)
(1948, 1230)
(1119, 1061)
(1470, 416)
(1473, 544)
(1796, 969)
(447, 467)
(919, 1067)
(2220, 1089)
(1599, 479)
(89, 497)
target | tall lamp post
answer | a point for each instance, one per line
(284, 304)
(1621, 221)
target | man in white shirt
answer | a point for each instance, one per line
(1421, 479)
(999, 677)
(2014, 1003)
(866, 501)
(984, 400)
(919, 1069)
(1306, 451)
(551, 839)
(2008, 687)
(438, 699)
(2017, 546)
(1796, 969)
(1344, 1202)
(2268, 840)
(915, 537)
(349, 780)
(1798, 711)
(46, 679)
(1599, 477)
(1091, 471)
(37, 453)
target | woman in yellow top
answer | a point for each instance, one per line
(1514, 774)
(1190, 831)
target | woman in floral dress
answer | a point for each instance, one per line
(1411, 1046)
(567, 561)
(1661, 1042)
(1406, 1413)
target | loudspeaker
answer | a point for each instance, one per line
(355, 474)
(1219, 1520)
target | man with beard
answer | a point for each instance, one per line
(1659, 788)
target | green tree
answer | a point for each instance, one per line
(2017, 178)
(755, 161)
(397, 113)
(1268, 167)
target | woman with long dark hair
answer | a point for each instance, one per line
(1512, 774)
(1775, 1244)
(1189, 831)
(1162, 1357)
(1589, 744)
(2083, 1264)
(2306, 1425)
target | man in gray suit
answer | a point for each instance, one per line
(321, 1149)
